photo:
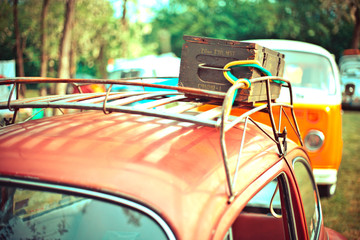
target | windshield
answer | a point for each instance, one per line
(308, 70)
(38, 214)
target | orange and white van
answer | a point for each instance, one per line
(315, 79)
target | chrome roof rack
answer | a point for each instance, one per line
(132, 102)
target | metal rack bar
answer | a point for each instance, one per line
(137, 98)
(124, 109)
(210, 114)
(123, 81)
(161, 102)
(187, 99)
(224, 124)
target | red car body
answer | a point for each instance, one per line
(173, 170)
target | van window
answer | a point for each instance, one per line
(37, 214)
(308, 70)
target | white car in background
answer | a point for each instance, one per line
(163, 68)
(350, 78)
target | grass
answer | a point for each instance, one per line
(342, 211)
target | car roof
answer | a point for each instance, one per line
(173, 151)
(291, 45)
(171, 166)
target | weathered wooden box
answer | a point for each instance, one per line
(203, 58)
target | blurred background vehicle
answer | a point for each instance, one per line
(315, 78)
(164, 68)
(7, 70)
(350, 78)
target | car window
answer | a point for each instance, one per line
(268, 215)
(37, 214)
(308, 70)
(125, 73)
(309, 197)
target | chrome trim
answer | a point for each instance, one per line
(308, 168)
(325, 176)
(317, 133)
(284, 181)
(103, 196)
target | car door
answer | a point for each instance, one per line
(264, 209)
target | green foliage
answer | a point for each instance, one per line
(304, 20)
(7, 41)
(97, 35)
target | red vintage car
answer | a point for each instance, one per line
(125, 168)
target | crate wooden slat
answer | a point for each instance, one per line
(203, 58)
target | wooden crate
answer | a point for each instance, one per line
(202, 56)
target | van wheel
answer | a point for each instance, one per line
(327, 191)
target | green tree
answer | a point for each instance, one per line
(43, 38)
(97, 35)
(7, 42)
(304, 20)
(345, 11)
(237, 20)
(29, 12)
(19, 51)
(65, 46)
